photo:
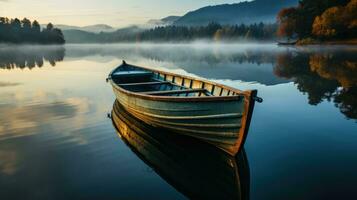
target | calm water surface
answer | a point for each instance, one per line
(56, 141)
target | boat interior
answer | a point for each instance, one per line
(154, 83)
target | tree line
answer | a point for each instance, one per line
(212, 31)
(24, 31)
(319, 19)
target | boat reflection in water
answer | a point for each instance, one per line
(195, 168)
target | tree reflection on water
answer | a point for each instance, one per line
(330, 76)
(22, 57)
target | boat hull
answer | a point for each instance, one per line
(222, 123)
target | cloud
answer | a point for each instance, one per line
(8, 84)
(30, 118)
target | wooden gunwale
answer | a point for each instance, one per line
(181, 99)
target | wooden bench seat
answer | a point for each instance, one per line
(175, 92)
(145, 83)
(132, 73)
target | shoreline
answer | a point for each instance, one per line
(306, 42)
(200, 43)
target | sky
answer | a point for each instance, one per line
(117, 13)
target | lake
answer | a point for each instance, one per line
(57, 142)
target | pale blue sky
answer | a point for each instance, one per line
(117, 13)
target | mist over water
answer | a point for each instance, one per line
(56, 142)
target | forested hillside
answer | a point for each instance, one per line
(245, 12)
(25, 31)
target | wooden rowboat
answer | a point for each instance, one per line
(212, 112)
(196, 169)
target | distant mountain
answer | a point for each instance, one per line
(128, 30)
(80, 36)
(245, 12)
(170, 19)
(164, 21)
(97, 28)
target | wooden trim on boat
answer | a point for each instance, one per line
(187, 77)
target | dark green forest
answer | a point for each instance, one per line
(247, 12)
(24, 31)
(212, 31)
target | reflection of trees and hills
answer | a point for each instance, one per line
(246, 63)
(323, 76)
(196, 169)
(29, 56)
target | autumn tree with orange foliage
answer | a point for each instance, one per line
(322, 18)
(337, 22)
(287, 22)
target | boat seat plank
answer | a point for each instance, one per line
(132, 73)
(145, 83)
(180, 86)
(174, 92)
